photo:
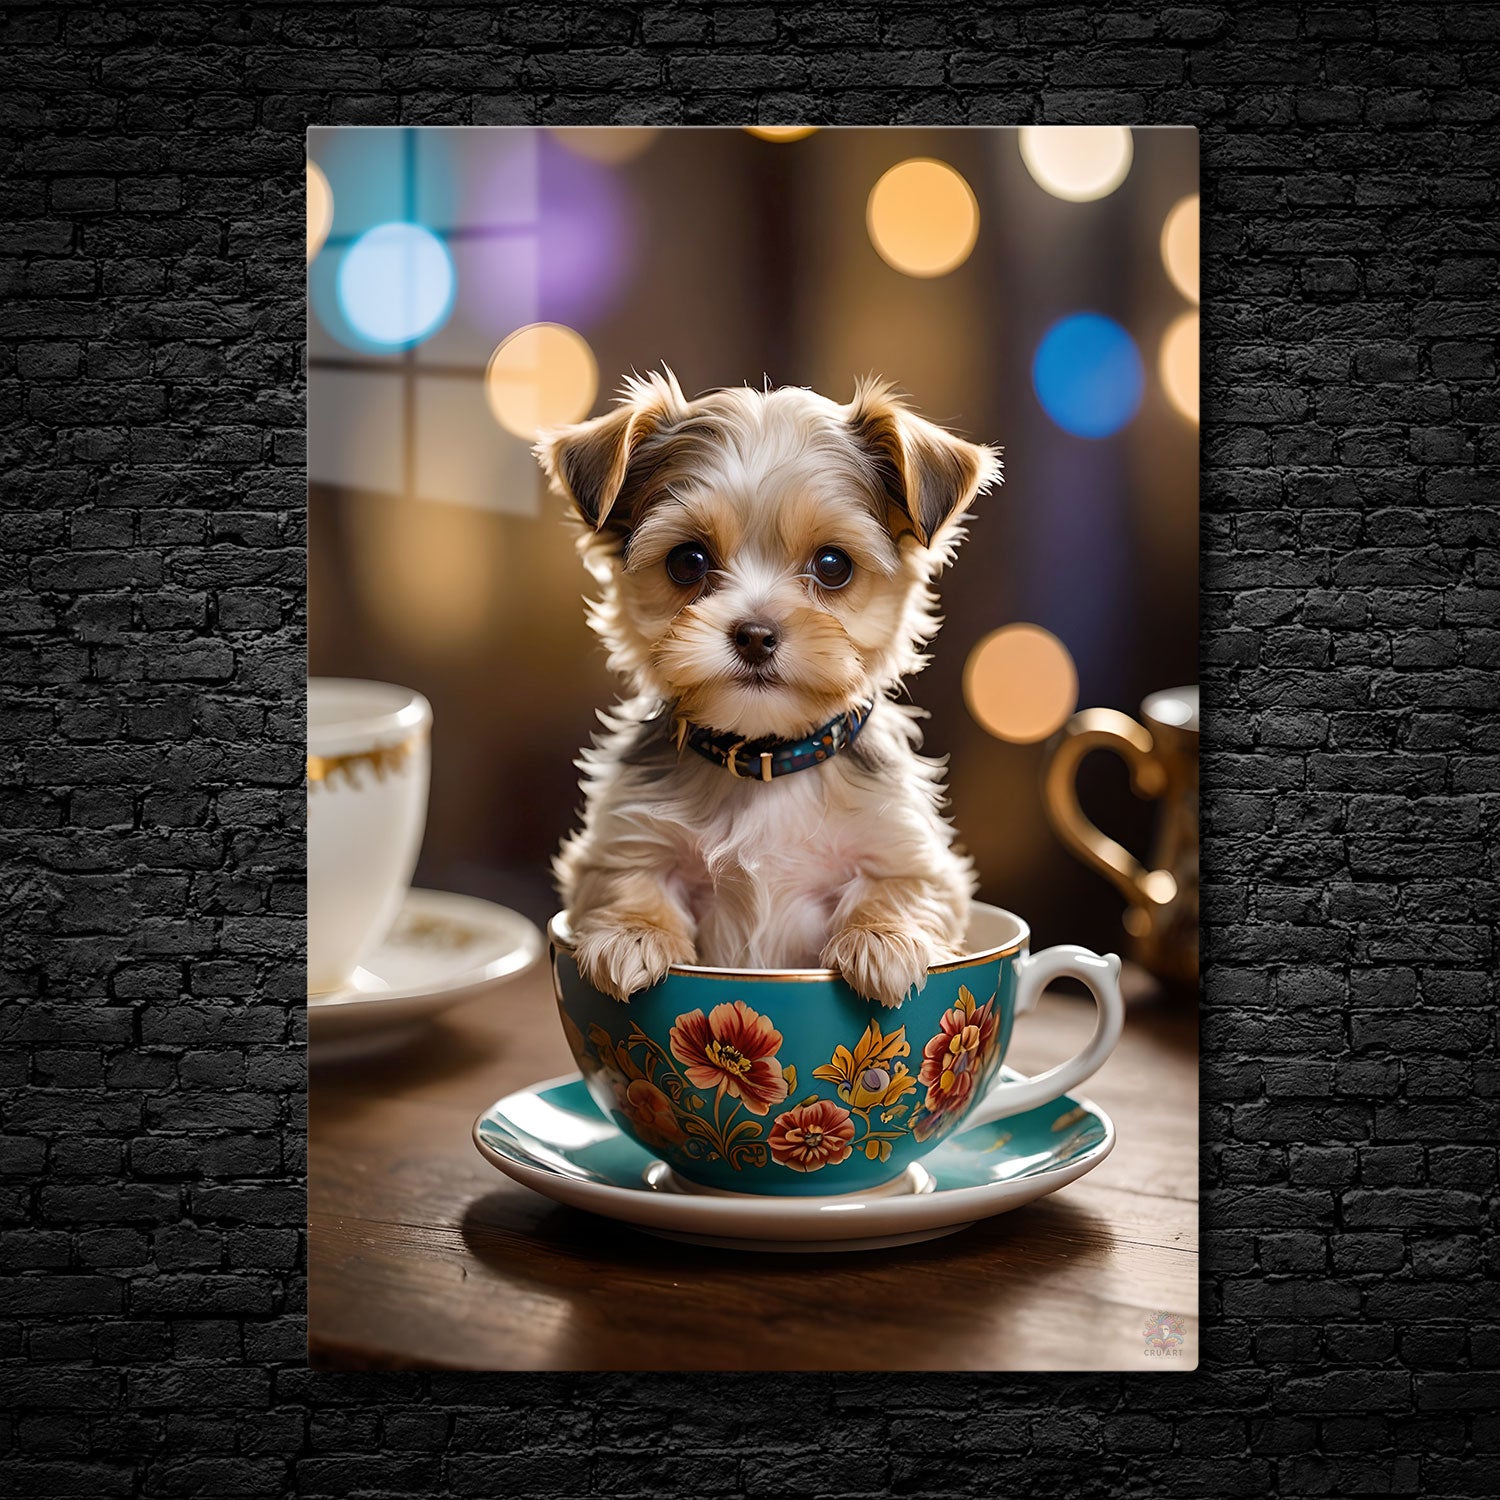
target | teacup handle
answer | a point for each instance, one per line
(1107, 729)
(1034, 972)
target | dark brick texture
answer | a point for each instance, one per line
(151, 383)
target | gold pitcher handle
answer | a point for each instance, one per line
(1107, 729)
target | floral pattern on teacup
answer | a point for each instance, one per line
(872, 1080)
(955, 1062)
(811, 1136)
(651, 1112)
(704, 1096)
(728, 1054)
(733, 1051)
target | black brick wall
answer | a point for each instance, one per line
(152, 502)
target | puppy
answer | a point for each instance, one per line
(765, 563)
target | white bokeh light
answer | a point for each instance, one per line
(1078, 163)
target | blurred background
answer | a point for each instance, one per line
(1032, 288)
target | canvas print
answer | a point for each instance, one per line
(728, 550)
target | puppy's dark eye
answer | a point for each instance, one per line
(832, 568)
(687, 563)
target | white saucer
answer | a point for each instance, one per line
(552, 1138)
(441, 950)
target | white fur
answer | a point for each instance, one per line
(849, 864)
(764, 872)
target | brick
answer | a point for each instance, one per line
(151, 497)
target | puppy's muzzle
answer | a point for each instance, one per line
(755, 641)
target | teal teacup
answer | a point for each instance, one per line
(787, 1082)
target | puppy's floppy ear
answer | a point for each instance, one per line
(587, 462)
(929, 476)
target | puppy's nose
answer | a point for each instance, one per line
(755, 641)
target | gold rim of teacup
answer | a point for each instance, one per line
(379, 758)
(561, 940)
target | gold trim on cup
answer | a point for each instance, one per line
(561, 940)
(381, 759)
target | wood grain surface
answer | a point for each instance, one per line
(421, 1255)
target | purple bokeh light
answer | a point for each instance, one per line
(588, 235)
(577, 245)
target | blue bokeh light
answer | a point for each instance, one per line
(1088, 375)
(396, 284)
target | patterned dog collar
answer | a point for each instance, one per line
(766, 759)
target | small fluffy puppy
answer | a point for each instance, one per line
(765, 561)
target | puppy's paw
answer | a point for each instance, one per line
(629, 958)
(878, 963)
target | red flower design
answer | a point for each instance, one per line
(650, 1111)
(812, 1136)
(954, 1059)
(733, 1050)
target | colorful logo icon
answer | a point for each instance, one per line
(1164, 1334)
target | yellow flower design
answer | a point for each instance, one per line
(873, 1075)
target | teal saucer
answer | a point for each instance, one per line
(552, 1138)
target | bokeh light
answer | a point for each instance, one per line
(396, 284)
(425, 571)
(781, 133)
(1077, 162)
(541, 376)
(1177, 364)
(588, 235)
(923, 217)
(319, 209)
(610, 144)
(1020, 683)
(1179, 246)
(1088, 375)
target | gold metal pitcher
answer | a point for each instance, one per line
(1162, 753)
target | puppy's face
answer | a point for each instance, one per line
(765, 557)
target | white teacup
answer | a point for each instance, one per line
(367, 773)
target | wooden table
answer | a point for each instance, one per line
(421, 1255)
